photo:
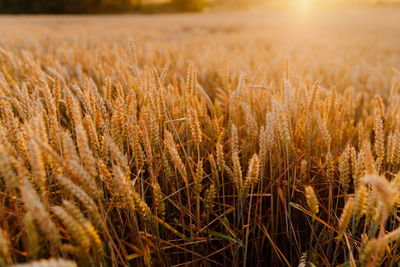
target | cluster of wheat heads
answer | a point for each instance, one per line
(109, 156)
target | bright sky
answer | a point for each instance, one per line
(305, 4)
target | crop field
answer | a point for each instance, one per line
(257, 138)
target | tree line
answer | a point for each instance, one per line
(99, 6)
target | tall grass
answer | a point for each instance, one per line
(119, 152)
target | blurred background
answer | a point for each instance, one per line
(163, 6)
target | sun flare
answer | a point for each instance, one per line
(303, 3)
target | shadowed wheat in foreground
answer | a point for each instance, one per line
(260, 139)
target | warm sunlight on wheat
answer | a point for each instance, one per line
(259, 138)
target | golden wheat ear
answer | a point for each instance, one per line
(49, 263)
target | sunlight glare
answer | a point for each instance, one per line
(302, 4)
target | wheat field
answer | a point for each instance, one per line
(244, 139)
